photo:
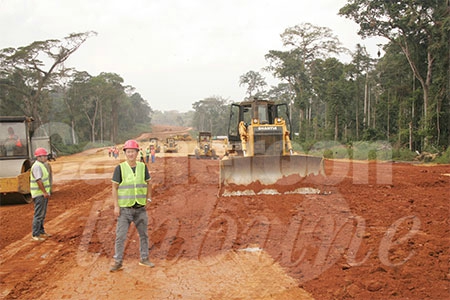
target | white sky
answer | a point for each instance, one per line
(174, 52)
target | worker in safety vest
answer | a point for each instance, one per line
(12, 142)
(131, 190)
(40, 186)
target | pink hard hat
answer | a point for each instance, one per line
(131, 144)
(40, 152)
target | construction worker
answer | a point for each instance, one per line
(141, 155)
(12, 142)
(40, 186)
(131, 190)
(153, 154)
(147, 154)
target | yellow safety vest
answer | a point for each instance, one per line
(34, 187)
(133, 188)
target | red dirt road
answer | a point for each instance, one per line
(382, 231)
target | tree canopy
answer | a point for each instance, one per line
(35, 82)
(420, 29)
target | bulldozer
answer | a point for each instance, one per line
(259, 152)
(16, 157)
(154, 142)
(170, 145)
(183, 137)
(204, 149)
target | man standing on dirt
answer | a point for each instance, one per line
(147, 155)
(130, 192)
(40, 187)
(153, 154)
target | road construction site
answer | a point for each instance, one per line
(376, 230)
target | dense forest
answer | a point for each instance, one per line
(401, 96)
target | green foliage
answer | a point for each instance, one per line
(403, 154)
(305, 146)
(133, 132)
(328, 153)
(419, 29)
(372, 134)
(444, 158)
(255, 82)
(65, 149)
(372, 155)
(359, 150)
(28, 73)
(211, 114)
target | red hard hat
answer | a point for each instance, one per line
(40, 152)
(131, 144)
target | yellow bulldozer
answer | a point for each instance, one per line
(170, 145)
(204, 149)
(259, 154)
(154, 142)
(16, 158)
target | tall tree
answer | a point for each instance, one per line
(331, 86)
(112, 96)
(211, 114)
(77, 92)
(305, 43)
(360, 68)
(255, 82)
(399, 95)
(35, 67)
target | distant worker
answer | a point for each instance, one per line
(141, 155)
(147, 155)
(153, 153)
(131, 190)
(40, 186)
(11, 142)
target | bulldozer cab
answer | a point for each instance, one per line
(204, 137)
(204, 142)
(14, 137)
(204, 148)
(255, 112)
(171, 142)
(15, 159)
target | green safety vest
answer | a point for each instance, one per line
(133, 187)
(34, 187)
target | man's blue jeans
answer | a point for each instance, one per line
(40, 210)
(140, 219)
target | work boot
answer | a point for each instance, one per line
(146, 263)
(37, 238)
(116, 267)
(45, 235)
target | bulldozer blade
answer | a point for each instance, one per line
(267, 170)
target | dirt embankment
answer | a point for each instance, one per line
(162, 132)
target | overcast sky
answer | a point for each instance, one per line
(174, 52)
